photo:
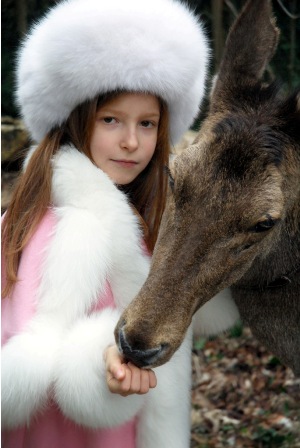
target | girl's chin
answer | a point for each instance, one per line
(122, 180)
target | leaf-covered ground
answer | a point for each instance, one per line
(242, 396)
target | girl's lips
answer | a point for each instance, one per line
(125, 163)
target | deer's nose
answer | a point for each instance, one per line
(137, 355)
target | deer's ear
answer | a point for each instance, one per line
(250, 45)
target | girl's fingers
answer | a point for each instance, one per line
(113, 384)
(152, 379)
(126, 379)
(119, 387)
(135, 378)
(142, 379)
(125, 384)
(114, 362)
(145, 382)
(118, 372)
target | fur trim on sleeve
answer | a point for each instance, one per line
(27, 368)
(80, 388)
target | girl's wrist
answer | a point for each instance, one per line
(105, 351)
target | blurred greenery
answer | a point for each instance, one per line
(269, 437)
(19, 15)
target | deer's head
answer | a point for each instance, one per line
(229, 194)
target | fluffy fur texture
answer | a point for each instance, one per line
(216, 315)
(60, 351)
(27, 369)
(83, 48)
(81, 397)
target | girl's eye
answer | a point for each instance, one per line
(147, 124)
(109, 120)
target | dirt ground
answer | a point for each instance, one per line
(242, 396)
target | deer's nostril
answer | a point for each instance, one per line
(139, 357)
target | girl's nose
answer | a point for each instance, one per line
(130, 140)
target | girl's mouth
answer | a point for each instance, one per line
(125, 163)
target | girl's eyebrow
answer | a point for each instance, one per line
(153, 114)
(150, 116)
(113, 111)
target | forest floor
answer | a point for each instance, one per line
(242, 396)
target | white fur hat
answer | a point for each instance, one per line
(83, 48)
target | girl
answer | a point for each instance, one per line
(103, 87)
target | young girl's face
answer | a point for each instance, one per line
(125, 135)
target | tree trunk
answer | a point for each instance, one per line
(292, 43)
(21, 13)
(217, 30)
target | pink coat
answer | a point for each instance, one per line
(51, 429)
(82, 267)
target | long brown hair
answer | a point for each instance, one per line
(32, 194)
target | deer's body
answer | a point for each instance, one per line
(233, 212)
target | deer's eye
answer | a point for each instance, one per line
(264, 226)
(171, 179)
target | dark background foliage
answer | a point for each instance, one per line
(218, 15)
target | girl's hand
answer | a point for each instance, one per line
(126, 379)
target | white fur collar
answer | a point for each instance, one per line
(78, 182)
(97, 239)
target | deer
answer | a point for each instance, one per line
(229, 241)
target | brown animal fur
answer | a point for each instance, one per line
(242, 172)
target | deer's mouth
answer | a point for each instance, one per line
(135, 350)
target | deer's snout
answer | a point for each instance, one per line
(134, 349)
